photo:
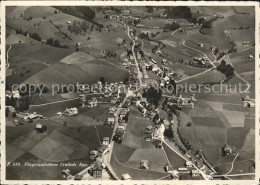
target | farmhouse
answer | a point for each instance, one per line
(110, 121)
(251, 56)
(40, 128)
(139, 56)
(126, 176)
(96, 171)
(112, 110)
(164, 61)
(59, 114)
(32, 116)
(91, 102)
(66, 173)
(169, 167)
(148, 130)
(148, 136)
(93, 154)
(188, 164)
(14, 94)
(71, 111)
(246, 42)
(183, 170)
(123, 114)
(11, 108)
(175, 174)
(131, 57)
(248, 102)
(113, 99)
(16, 122)
(105, 141)
(227, 149)
(200, 45)
(140, 25)
(144, 164)
(126, 12)
(195, 173)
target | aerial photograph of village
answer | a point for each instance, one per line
(130, 93)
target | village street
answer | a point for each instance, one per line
(172, 146)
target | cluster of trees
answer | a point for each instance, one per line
(201, 21)
(20, 104)
(28, 89)
(79, 27)
(134, 22)
(208, 24)
(84, 12)
(182, 150)
(7, 111)
(99, 28)
(168, 132)
(144, 36)
(153, 95)
(34, 36)
(149, 9)
(113, 8)
(199, 64)
(171, 27)
(183, 12)
(78, 11)
(226, 69)
(56, 12)
(233, 47)
(109, 54)
(154, 34)
(53, 42)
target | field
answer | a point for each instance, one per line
(77, 58)
(216, 124)
(205, 77)
(87, 73)
(188, 132)
(135, 131)
(174, 159)
(136, 174)
(41, 173)
(60, 144)
(87, 116)
(33, 58)
(92, 45)
(51, 109)
(156, 22)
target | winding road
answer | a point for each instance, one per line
(7, 57)
(139, 74)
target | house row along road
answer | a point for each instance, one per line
(107, 157)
